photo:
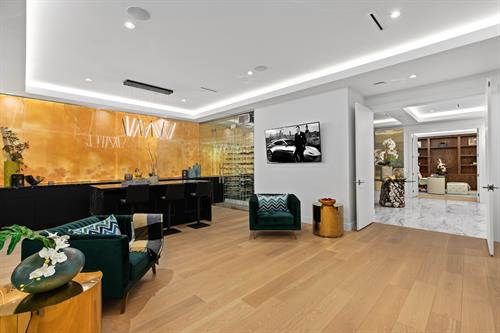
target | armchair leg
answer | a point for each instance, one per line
(153, 268)
(294, 235)
(124, 303)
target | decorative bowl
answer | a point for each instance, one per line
(33, 181)
(65, 272)
(328, 201)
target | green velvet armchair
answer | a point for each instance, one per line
(275, 220)
(109, 254)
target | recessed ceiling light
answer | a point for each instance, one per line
(183, 100)
(395, 14)
(138, 13)
(250, 73)
(412, 76)
(129, 25)
(88, 79)
(260, 68)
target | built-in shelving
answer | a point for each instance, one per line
(458, 152)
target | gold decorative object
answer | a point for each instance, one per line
(328, 220)
(73, 308)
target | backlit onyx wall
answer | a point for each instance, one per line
(71, 143)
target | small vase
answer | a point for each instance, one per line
(65, 272)
(10, 168)
(386, 172)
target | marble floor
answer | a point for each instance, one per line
(454, 217)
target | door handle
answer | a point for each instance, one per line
(490, 187)
(359, 182)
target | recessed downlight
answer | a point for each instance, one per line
(138, 13)
(183, 100)
(412, 76)
(250, 73)
(129, 25)
(395, 14)
(88, 79)
(260, 68)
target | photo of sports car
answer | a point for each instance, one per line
(294, 144)
(283, 151)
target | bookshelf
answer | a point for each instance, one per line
(458, 152)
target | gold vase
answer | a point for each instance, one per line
(10, 168)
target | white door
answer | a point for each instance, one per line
(365, 178)
(414, 181)
(491, 181)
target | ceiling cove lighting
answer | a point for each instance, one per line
(43, 87)
(328, 74)
(440, 133)
(360, 61)
(385, 121)
(413, 111)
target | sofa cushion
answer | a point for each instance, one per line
(65, 228)
(275, 218)
(140, 262)
(109, 226)
(273, 202)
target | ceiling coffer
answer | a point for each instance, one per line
(145, 86)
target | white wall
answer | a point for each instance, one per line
(311, 181)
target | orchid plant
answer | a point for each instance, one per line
(441, 168)
(51, 252)
(388, 155)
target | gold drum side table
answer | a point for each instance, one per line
(328, 220)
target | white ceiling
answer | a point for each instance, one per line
(189, 44)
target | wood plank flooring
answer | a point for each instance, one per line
(382, 279)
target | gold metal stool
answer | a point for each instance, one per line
(328, 220)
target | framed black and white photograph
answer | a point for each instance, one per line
(294, 144)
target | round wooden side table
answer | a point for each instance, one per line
(328, 221)
(75, 307)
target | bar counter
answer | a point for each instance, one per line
(45, 206)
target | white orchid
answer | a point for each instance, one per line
(44, 271)
(51, 256)
(61, 241)
(388, 155)
(389, 144)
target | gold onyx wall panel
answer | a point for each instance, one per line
(71, 143)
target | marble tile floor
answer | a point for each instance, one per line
(454, 217)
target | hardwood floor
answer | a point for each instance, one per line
(382, 279)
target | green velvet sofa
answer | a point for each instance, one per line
(275, 220)
(109, 254)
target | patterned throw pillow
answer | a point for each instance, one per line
(273, 203)
(109, 226)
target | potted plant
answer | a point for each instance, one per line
(52, 267)
(386, 157)
(441, 168)
(13, 148)
(153, 175)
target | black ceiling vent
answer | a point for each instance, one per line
(208, 89)
(376, 21)
(145, 86)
